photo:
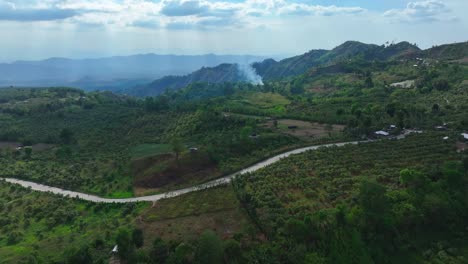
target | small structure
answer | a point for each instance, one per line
(292, 127)
(115, 250)
(405, 84)
(465, 136)
(445, 138)
(441, 128)
(381, 133)
(193, 150)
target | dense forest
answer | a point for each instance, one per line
(399, 196)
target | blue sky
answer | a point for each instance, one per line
(35, 29)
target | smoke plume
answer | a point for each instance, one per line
(249, 73)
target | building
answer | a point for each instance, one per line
(382, 133)
(465, 136)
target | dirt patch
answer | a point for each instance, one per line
(305, 129)
(154, 173)
(42, 147)
(9, 145)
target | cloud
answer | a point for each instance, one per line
(424, 11)
(170, 14)
(306, 10)
(11, 12)
(184, 8)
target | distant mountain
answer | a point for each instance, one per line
(220, 74)
(270, 69)
(109, 73)
(453, 51)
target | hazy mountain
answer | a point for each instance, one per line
(220, 74)
(109, 73)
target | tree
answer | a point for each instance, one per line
(79, 255)
(159, 252)
(137, 237)
(28, 152)
(368, 82)
(374, 202)
(441, 84)
(177, 147)
(245, 133)
(210, 248)
(125, 245)
(232, 252)
(66, 136)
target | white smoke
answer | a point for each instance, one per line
(250, 74)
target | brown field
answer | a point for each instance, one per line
(162, 172)
(305, 129)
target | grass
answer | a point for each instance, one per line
(147, 150)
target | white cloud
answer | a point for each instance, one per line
(165, 13)
(424, 11)
(303, 9)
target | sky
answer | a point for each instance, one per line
(38, 29)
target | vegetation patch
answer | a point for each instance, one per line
(146, 150)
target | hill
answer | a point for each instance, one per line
(270, 69)
(448, 52)
(223, 73)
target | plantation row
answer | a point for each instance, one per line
(349, 203)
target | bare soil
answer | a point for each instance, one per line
(305, 129)
(161, 172)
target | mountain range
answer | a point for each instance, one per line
(270, 69)
(109, 73)
(151, 74)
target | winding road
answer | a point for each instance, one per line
(152, 198)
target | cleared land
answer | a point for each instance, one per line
(304, 129)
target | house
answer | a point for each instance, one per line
(381, 133)
(392, 127)
(445, 138)
(193, 150)
(441, 128)
(465, 136)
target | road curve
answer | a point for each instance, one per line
(151, 198)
